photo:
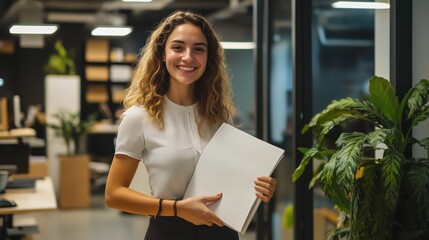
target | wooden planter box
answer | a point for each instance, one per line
(74, 181)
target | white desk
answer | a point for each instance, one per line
(41, 198)
(17, 133)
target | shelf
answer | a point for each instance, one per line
(97, 73)
(97, 94)
(97, 50)
(106, 77)
(118, 93)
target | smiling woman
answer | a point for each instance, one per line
(179, 96)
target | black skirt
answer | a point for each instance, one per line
(175, 228)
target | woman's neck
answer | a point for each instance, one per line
(184, 97)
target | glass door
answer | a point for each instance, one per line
(280, 119)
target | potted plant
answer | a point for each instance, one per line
(381, 192)
(74, 170)
(71, 129)
(61, 62)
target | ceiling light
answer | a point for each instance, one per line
(238, 45)
(136, 0)
(361, 5)
(33, 29)
(111, 31)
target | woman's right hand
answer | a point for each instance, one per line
(195, 210)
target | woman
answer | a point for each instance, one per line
(179, 96)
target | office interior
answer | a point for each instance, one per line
(299, 55)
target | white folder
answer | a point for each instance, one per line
(229, 164)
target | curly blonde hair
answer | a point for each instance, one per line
(150, 81)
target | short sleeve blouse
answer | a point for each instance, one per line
(170, 155)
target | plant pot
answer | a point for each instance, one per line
(74, 181)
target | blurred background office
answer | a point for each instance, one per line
(264, 41)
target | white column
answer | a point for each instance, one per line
(382, 42)
(382, 48)
(61, 92)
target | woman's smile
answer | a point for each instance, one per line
(186, 53)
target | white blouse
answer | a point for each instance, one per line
(170, 155)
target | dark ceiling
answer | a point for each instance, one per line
(135, 13)
(232, 16)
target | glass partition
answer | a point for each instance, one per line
(342, 61)
(281, 116)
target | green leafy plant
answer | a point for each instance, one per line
(61, 62)
(383, 192)
(287, 219)
(71, 129)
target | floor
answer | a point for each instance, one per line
(94, 223)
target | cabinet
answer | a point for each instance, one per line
(107, 73)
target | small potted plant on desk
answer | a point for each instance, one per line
(381, 190)
(74, 165)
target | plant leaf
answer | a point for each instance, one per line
(347, 158)
(69, 126)
(339, 199)
(379, 136)
(391, 176)
(417, 187)
(363, 203)
(418, 98)
(340, 111)
(309, 154)
(402, 107)
(420, 116)
(334, 110)
(327, 176)
(328, 126)
(382, 95)
(330, 187)
(339, 233)
(315, 178)
(390, 172)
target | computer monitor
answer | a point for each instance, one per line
(15, 158)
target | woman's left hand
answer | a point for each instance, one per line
(265, 188)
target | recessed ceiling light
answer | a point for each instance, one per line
(136, 0)
(111, 31)
(361, 5)
(33, 29)
(238, 45)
